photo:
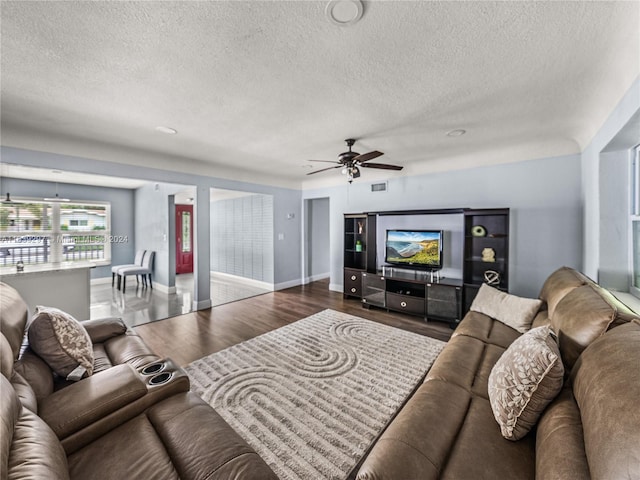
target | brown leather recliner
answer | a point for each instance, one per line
(117, 423)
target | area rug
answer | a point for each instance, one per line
(312, 396)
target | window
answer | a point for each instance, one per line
(635, 222)
(34, 231)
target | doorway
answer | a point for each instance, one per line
(317, 260)
(184, 239)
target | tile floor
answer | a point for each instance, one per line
(143, 305)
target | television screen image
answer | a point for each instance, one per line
(414, 248)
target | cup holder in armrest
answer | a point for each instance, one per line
(161, 378)
(153, 368)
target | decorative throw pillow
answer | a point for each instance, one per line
(524, 380)
(62, 342)
(516, 312)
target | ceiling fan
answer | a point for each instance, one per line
(350, 162)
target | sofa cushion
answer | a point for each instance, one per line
(486, 329)
(36, 372)
(13, 317)
(580, 317)
(516, 312)
(62, 342)
(435, 436)
(29, 448)
(558, 284)
(525, 379)
(180, 437)
(466, 362)
(560, 450)
(606, 386)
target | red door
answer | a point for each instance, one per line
(184, 238)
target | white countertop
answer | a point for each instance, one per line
(45, 268)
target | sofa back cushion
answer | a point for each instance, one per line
(560, 450)
(36, 373)
(606, 386)
(559, 284)
(28, 447)
(583, 315)
(13, 317)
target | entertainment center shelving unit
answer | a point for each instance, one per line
(417, 292)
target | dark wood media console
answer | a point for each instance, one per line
(485, 258)
(415, 293)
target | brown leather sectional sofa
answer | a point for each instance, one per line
(133, 418)
(590, 430)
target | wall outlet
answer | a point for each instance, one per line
(281, 236)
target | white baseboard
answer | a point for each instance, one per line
(245, 280)
(164, 288)
(315, 278)
(159, 286)
(201, 305)
(336, 287)
(289, 284)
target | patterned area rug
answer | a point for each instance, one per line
(312, 396)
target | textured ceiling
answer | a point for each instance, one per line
(255, 89)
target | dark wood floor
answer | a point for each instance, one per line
(188, 337)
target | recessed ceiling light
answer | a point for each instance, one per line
(344, 12)
(306, 166)
(456, 133)
(167, 130)
(56, 172)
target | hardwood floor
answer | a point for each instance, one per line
(188, 337)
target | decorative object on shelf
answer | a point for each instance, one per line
(358, 246)
(478, 231)
(360, 225)
(488, 255)
(491, 277)
(20, 266)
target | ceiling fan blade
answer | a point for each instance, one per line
(325, 161)
(367, 156)
(383, 166)
(324, 169)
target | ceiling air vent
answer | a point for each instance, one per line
(379, 187)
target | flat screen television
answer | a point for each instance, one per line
(414, 249)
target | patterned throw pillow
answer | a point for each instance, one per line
(524, 380)
(62, 342)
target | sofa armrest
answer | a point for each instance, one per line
(75, 407)
(102, 329)
(178, 383)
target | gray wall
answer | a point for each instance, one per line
(122, 211)
(544, 196)
(614, 220)
(242, 237)
(628, 107)
(155, 227)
